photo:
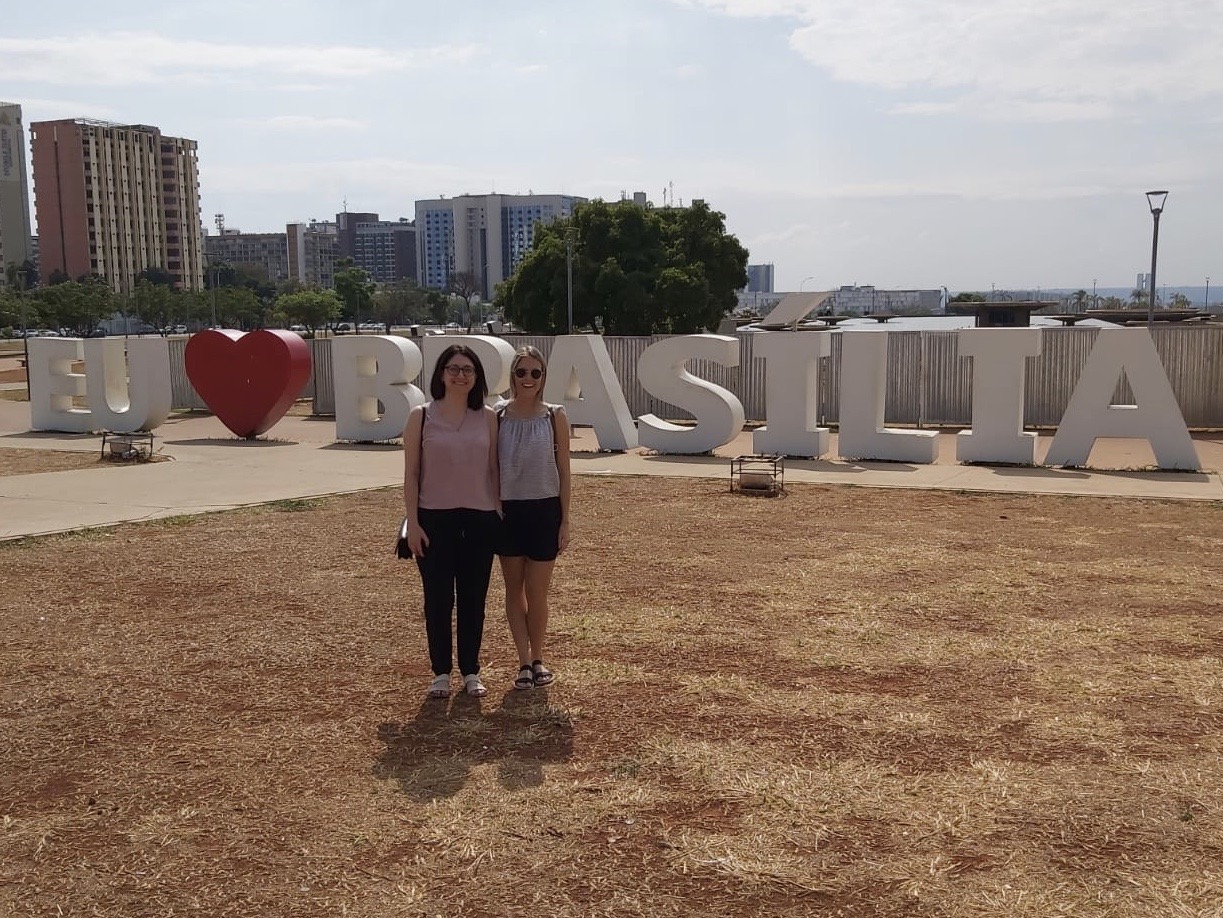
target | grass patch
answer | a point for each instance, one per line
(853, 702)
(294, 505)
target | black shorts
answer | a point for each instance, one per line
(531, 528)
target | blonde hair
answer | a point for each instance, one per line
(519, 355)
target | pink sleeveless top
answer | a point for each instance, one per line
(454, 467)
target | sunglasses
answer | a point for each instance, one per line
(455, 370)
(521, 373)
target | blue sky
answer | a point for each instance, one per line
(904, 143)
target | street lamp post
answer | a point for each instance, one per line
(1095, 303)
(1207, 306)
(1155, 200)
(569, 272)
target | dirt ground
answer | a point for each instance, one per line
(836, 702)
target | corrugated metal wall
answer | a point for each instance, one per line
(928, 383)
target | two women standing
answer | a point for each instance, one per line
(464, 467)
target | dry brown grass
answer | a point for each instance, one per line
(839, 702)
(28, 461)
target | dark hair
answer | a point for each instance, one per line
(478, 391)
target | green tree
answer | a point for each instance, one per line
(636, 271)
(400, 303)
(156, 274)
(438, 306)
(354, 289)
(968, 297)
(239, 307)
(312, 308)
(75, 305)
(1079, 299)
(156, 304)
(1180, 301)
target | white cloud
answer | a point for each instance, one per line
(134, 58)
(690, 71)
(1015, 59)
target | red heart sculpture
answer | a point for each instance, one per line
(248, 379)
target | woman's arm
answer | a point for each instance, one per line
(417, 540)
(562, 467)
(494, 466)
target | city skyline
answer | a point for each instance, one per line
(877, 142)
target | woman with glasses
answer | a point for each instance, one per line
(452, 500)
(533, 448)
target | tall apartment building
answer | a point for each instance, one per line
(385, 249)
(114, 199)
(14, 190)
(313, 249)
(486, 235)
(267, 251)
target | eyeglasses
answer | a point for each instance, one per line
(521, 372)
(455, 370)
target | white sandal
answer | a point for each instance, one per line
(474, 686)
(440, 686)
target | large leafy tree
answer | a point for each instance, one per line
(76, 305)
(354, 288)
(403, 302)
(636, 271)
(312, 308)
(158, 305)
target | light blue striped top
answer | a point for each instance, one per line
(526, 451)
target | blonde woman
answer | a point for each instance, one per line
(533, 452)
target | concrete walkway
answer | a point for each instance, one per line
(299, 458)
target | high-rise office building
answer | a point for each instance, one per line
(14, 190)
(486, 235)
(760, 278)
(115, 199)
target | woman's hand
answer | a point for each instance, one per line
(417, 540)
(563, 537)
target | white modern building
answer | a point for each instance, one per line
(486, 235)
(15, 243)
(869, 300)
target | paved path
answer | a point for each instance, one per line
(299, 458)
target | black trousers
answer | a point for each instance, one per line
(454, 572)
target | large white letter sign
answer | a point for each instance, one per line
(495, 356)
(368, 370)
(1156, 417)
(663, 372)
(581, 377)
(125, 405)
(53, 385)
(791, 392)
(998, 357)
(864, 359)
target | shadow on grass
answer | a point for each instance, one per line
(432, 756)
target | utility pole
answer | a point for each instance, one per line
(569, 271)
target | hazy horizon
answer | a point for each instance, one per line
(880, 142)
